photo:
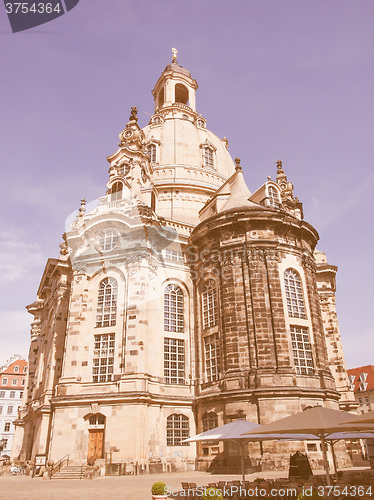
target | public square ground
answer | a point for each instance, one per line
(108, 488)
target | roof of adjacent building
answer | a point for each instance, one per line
(363, 378)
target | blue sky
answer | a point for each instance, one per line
(289, 80)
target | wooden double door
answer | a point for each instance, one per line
(95, 444)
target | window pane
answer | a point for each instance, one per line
(106, 303)
(302, 350)
(177, 429)
(173, 309)
(102, 370)
(294, 294)
(209, 299)
(212, 357)
(174, 361)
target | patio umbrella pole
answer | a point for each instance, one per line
(334, 458)
(325, 460)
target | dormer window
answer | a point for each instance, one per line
(151, 152)
(273, 197)
(116, 191)
(208, 157)
(363, 386)
(200, 123)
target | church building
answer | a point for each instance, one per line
(181, 302)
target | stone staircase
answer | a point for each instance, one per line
(69, 472)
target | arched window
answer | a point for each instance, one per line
(273, 197)
(107, 303)
(209, 297)
(116, 191)
(209, 421)
(151, 152)
(181, 93)
(294, 294)
(161, 97)
(177, 429)
(173, 309)
(208, 157)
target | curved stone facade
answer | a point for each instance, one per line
(181, 302)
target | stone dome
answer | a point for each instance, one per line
(181, 142)
(189, 162)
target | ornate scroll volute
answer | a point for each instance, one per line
(272, 257)
(255, 257)
(35, 329)
(309, 263)
(79, 270)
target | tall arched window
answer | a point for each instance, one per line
(181, 93)
(161, 97)
(209, 296)
(116, 191)
(177, 429)
(151, 152)
(173, 309)
(273, 197)
(107, 303)
(208, 157)
(209, 421)
(294, 294)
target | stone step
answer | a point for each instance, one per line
(69, 472)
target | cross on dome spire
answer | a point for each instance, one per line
(175, 52)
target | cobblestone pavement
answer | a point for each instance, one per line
(106, 488)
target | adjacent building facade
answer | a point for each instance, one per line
(181, 302)
(12, 386)
(361, 381)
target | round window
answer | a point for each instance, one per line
(108, 240)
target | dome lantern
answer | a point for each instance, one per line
(175, 86)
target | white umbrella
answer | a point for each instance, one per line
(363, 421)
(234, 432)
(337, 436)
(318, 420)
